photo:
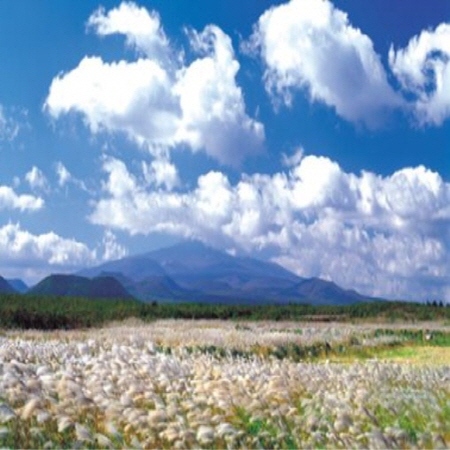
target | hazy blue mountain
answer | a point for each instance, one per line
(192, 271)
(157, 287)
(77, 286)
(6, 288)
(137, 268)
(18, 285)
(323, 292)
(194, 258)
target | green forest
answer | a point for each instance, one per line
(47, 313)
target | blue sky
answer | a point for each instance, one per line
(312, 133)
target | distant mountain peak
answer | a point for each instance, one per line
(193, 271)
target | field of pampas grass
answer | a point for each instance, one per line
(224, 385)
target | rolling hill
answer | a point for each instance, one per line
(77, 286)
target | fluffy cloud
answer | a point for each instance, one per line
(34, 256)
(381, 235)
(132, 97)
(310, 44)
(212, 105)
(141, 27)
(23, 202)
(36, 179)
(161, 172)
(158, 100)
(423, 69)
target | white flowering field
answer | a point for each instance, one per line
(213, 384)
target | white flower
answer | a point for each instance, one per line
(205, 435)
(103, 441)
(224, 429)
(29, 408)
(157, 416)
(82, 433)
(6, 413)
(64, 423)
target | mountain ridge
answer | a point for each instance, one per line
(192, 271)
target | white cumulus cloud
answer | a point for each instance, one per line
(34, 256)
(212, 105)
(158, 100)
(161, 172)
(9, 199)
(310, 44)
(423, 69)
(382, 235)
(132, 97)
(141, 27)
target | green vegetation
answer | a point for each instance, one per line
(60, 312)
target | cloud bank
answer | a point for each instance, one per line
(381, 235)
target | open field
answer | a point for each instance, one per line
(224, 384)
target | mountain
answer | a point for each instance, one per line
(153, 287)
(136, 268)
(193, 258)
(76, 286)
(323, 291)
(192, 271)
(5, 287)
(18, 285)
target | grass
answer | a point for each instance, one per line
(281, 396)
(413, 354)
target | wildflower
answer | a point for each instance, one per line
(42, 416)
(64, 423)
(342, 423)
(112, 430)
(6, 413)
(224, 429)
(103, 441)
(29, 408)
(157, 416)
(205, 435)
(82, 433)
(135, 443)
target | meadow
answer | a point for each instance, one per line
(228, 384)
